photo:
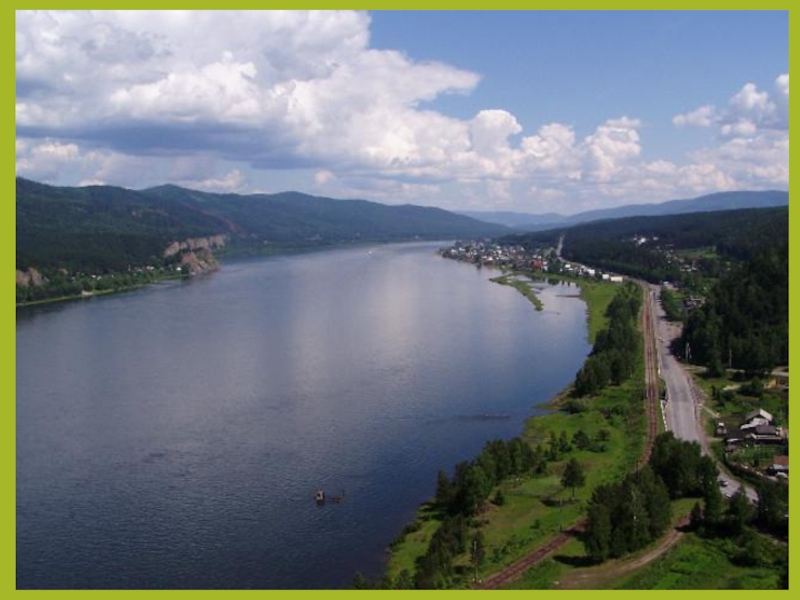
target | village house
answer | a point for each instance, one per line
(779, 465)
(755, 419)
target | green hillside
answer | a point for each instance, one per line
(103, 228)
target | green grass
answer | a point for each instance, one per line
(698, 563)
(597, 295)
(522, 287)
(538, 508)
(410, 546)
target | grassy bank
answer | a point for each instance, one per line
(523, 287)
(535, 508)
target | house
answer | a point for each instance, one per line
(615, 278)
(780, 464)
(756, 418)
(766, 434)
(779, 378)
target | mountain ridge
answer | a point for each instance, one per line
(717, 201)
(107, 228)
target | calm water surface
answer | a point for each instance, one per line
(173, 437)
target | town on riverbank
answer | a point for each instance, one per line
(539, 511)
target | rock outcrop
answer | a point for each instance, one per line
(192, 244)
(30, 278)
(195, 254)
(200, 261)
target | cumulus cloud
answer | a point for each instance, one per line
(702, 117)
(199, 98)
(748, 111)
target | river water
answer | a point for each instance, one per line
(173, 437)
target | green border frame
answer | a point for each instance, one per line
(8, 321)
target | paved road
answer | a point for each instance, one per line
(683, 399)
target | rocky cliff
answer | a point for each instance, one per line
(200, 261)
(195, 254)
(29, 278)
(192, 244)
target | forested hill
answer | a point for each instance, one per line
(644, 246)
(103, 228)
(709, 203)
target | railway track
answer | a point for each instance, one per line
(513, 571)
(651, 400)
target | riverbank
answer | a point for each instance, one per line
(84, 294)
(522, 287)
(605, 436)
(229, 253)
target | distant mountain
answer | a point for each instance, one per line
(108, 228)
(517, 220)
(709, 203)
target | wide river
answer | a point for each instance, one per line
(173, 437)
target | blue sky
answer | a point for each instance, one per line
(524, 110)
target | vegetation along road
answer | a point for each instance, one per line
(682, 407)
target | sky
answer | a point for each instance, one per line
(527, 111)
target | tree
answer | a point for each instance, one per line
(696, 517)
(444, 490)
(712, 507)
(404, 581)
(499, 498)
(597, 539)
(770, 509)
(573, 476)
(581, 440)
(360, 582)
(739, 513)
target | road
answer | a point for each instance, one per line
(684, 402)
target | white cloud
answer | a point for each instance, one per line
(748, 111)
(136, 98)
(232, 181)
(702, 117)
(323, 176)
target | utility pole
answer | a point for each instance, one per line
(475, 558)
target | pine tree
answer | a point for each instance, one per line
(573, 476)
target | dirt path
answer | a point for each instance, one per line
(593, 578)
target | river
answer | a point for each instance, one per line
(174, 436)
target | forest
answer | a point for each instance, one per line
(744, 322)
(649, 248)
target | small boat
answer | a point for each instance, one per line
(319, 497)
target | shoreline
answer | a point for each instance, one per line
(236, 254)
(411, 542)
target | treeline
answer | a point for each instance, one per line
(626, 516)
(745, 319)
(625, 257)
(735, 235)
(61, 285)
(616, 348)
(99, 229)
(671, 305)
(460, 498)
